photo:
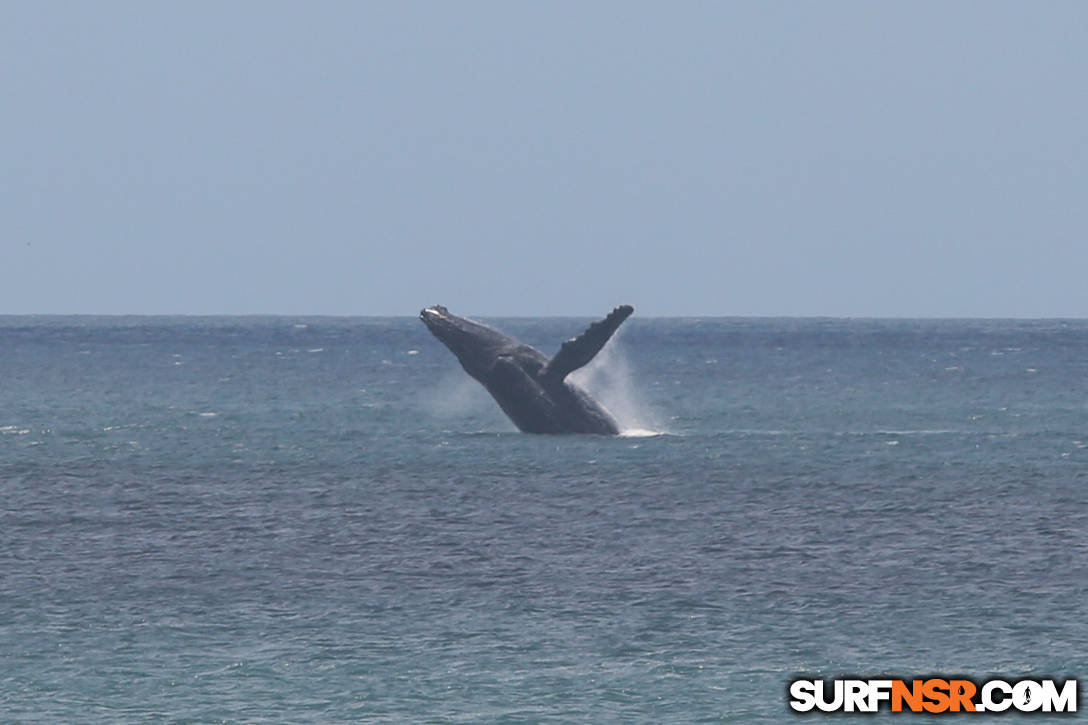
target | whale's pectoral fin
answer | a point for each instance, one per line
(580, 350)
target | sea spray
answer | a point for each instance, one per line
(458, 397)
(608, 378)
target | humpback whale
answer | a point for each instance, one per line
(531, 389)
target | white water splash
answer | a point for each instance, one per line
(609, 379)
(640, 433)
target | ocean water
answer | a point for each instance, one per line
(314, 520)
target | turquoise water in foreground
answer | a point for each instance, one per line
(315, 520)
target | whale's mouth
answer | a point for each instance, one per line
(435, 317)
(454, 331)
(433, 311)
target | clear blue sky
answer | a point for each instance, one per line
(545, 158)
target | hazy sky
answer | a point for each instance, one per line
(545, 158)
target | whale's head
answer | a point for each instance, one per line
(476, 346)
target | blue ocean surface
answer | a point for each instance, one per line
(315, 520)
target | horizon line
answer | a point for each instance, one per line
(685, 316)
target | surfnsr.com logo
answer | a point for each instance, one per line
(933, 695)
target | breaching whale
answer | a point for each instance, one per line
(531, 389)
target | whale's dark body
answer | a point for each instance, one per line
(531, 389)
